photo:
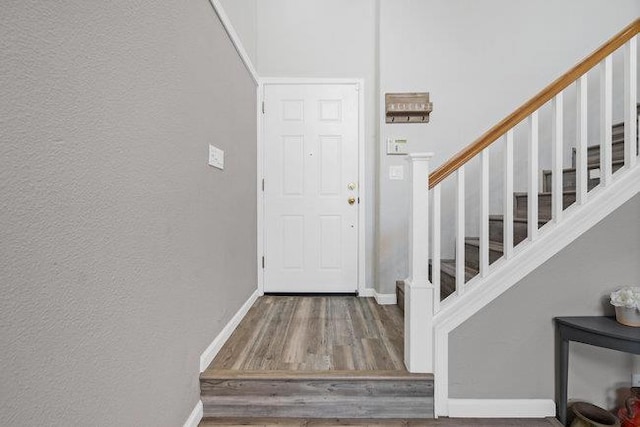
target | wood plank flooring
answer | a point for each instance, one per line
(315, 357)
(440, 422)
(281, 333)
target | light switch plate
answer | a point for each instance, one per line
(216, 157)
(396, 173)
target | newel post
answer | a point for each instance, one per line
(419, 293)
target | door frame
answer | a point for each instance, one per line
(359, 84)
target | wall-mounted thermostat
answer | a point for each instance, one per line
(396, 146)
(407, 107)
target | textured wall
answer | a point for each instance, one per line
(122, 254)
(507, 349)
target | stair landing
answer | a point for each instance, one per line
(316, 357)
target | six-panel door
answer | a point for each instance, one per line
(311, 188)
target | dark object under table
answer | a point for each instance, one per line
(595, 330)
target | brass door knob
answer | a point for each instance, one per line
(351, 200)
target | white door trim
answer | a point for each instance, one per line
(259, 192)
(359, 83)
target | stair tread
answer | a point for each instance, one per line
(361, 375)
(543, 193)
(327, 400)
(493, 245)
(499, 217)
(589, 166)
(449, 267)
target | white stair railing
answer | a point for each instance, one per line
(426, 316)
(630, 103)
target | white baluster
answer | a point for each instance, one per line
(532, 201)
(606, 120)
(630, 107)
(460, 261)
(508, 195)
(556, 158)
(435, 248)
(484, 213)
(418, 305)
(582, 171)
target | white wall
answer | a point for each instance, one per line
(326, 38)
(479, 61)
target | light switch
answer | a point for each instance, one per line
(216, 157)
(396, 173)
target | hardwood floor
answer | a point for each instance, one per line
(315, 334)
(320, 362)
(315, 357)
(441, 422)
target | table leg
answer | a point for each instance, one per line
(562, 366)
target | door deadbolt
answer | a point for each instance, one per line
(351, 186)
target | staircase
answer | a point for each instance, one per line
(520, 211)
(555, 208)
(520, 222)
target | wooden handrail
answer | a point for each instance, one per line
(533, 104)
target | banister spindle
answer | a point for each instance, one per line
(460, 261)
(508, 195)
(556, 158)
(630, 99)
(582, 170)
(606, 120)
(532, 200)
(535, 103)
(484, 213)
(435, 248)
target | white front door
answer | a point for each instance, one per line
(311, 187)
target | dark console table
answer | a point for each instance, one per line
(595, 330)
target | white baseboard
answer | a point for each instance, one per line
(210, 353)
(366, 293)
(196, 416)
(385, 299)
(501, 408)
(381, 299)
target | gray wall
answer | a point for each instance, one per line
(507, 349)
(122, 254)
